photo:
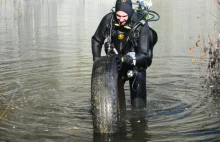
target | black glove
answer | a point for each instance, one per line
(108, 48)
(127, 59)
(96, 58)
(118, 59)
(106, 45)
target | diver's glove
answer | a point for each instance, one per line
(127, 60)
(118, 59)
(109, 48)
(96, 59)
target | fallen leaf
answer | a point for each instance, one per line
(194, 60)
(191, 49)
(205, 49)
(197, 43)
(202, 57)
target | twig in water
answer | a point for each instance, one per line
(8, 105)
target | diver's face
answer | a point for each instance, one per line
(122, 17)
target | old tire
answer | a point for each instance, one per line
(107, 96)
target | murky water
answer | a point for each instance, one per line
(46, 62)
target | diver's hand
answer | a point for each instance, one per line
(127, 59)
(118, 59)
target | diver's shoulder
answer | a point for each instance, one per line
(108, 15)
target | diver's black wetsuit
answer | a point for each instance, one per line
(141, 42)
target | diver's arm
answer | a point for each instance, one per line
(98, 38)
(143, 50)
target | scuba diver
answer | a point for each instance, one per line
(127, 36)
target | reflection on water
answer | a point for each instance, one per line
(45, 69)
(136, 130)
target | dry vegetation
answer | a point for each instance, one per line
(209, 61)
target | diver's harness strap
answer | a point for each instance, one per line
(132, 36)
(108, 44)
(146, 15)
(135, 32)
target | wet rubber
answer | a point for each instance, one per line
(107, 96)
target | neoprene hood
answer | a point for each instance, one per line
(124, 5)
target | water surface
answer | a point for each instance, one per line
(45, 73)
